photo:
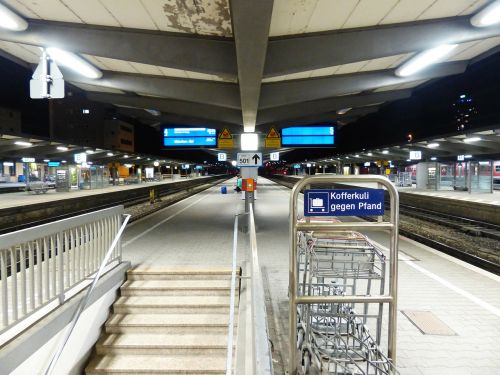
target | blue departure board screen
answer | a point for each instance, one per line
(308, 136)
(189, 137)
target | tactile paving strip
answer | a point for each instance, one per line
(428, 323)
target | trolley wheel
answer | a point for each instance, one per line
(300, 338)
(306, 362)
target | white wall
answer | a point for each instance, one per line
(80, 344)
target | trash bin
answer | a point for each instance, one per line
(223, 190)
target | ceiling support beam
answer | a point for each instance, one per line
(308, 52)
(251, 23)
(171, 106)
(328, 105)
(289, 92)
(173, 50)
(208, 92)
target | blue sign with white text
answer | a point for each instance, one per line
(344, 202)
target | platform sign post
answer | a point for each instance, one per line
(273, 139)
(249, 159)
(225, 139)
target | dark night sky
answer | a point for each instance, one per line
(429, 112)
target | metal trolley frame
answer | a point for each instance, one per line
(297, 226)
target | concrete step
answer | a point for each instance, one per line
(172, 305)
(180, 272)
(162, 344)
(168, 323)
(176, 287)
(157, 365)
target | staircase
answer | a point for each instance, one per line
(167, 321)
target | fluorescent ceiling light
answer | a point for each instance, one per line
(369, 154)
(472, 139)
(125, 156)
(46, 160)
(249, 141)
(433, 158)
(433, 145)
(63, 161)
(74, 62)
(128, 165)
(62, 148)
(385, 152)
(424, 59)
(343, 111)
(10, 20)
(23, 143)
(90, 152)
(488, 16)
(110, 154)
(357, 155)
(467, 156)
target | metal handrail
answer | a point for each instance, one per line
(84, 301)
(261, 350)
(229, 360)
(393, 226)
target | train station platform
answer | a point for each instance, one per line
(22, 198)
(460, 331)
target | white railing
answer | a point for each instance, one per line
(39, 264)
(261, 351)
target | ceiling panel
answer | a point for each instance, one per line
(105, 63)
(146, 69)
(306, 16)
(130, 13)
(170, 72)
(47, 9)
(406, 11)
(92, 12)
(207, 17)
(299, 75)
(330, 14)
(451, 8)
(467, 51)
(361, 66)
(369, 13)
(24, 52)
(111, 64)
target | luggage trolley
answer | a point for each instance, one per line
(336, 289)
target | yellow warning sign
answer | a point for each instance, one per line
(273, 133)
(225, 139)
(273, 139)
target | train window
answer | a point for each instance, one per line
(497, 168)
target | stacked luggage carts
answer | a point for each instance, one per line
(340, 338)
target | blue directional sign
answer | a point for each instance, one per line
(344, 202)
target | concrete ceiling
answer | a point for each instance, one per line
(235, 62)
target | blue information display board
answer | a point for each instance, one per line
(308, 136)
(186, 137)
(344, 202)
